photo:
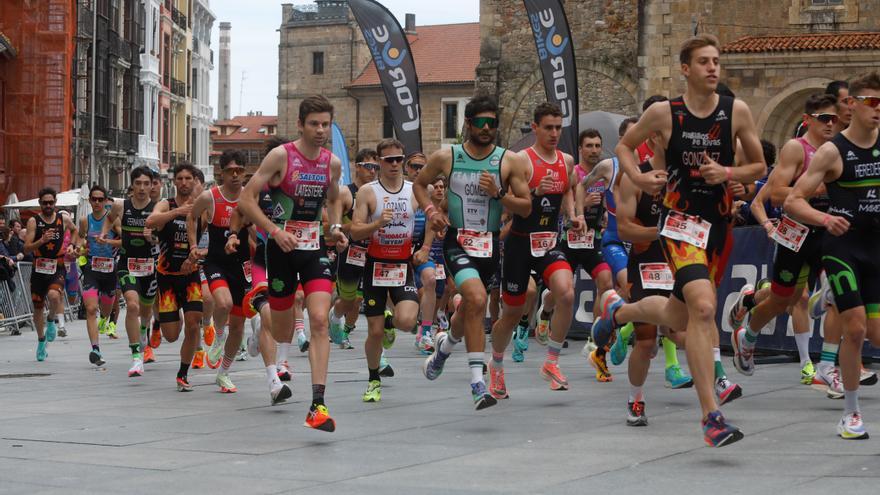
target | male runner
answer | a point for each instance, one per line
(478, 172)
(99, 270)
(840, 90)
(425, 270)
(849, 165)
(178, 276)
(385, 212)
(532, 246)
(136, 263)
(699, 131)
(301, 176)
(45, 233)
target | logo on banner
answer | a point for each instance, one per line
(550, 47)
(388, 59)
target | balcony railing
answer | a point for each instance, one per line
(179, 18)
(178, 87)
(122, 140)
(178, 158)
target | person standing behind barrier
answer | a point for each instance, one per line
(44, 240)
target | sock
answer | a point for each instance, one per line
(498, 360)
(850, 401)
(281, 352)
(803, 345)
(318, 394)
(226, 363)
(553, 349)
(829, 354)
(524, 321)
(41, 339)
(59, 320)
(719, 369)
(426, 328)
(448, 344)
(751, 335)
(96, 348)
(669, 353)
(219, 332)
(374, 374)
(143, 335)
(272, 376)
(635, 394)
(348, 329)
(475, 363)
(184, 369)
(626, 331)
(299, 325)
(135, 349)
(545, 315)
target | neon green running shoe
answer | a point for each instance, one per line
(807, 373)
(390, 331)
(374, 391)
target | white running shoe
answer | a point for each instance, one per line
(253, 341)
(137, 368)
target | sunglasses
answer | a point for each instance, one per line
(234, 170)
(96, 199)
(393, 159)
(416, 166)
(869, 101)
(480, 122)
(825, 118)
(368, 165)
(47, 203)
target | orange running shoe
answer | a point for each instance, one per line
(497, 387)
(198, 361)
(550, 372)
(319, 419)
(148, 355)
(155, 337)
(598, 361)
(209, 335)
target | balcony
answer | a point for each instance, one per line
(122, 140)
(119, 47)
(178, 158)
(178, 18)
(178, 88)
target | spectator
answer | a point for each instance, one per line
(7, 264)
(15, 241)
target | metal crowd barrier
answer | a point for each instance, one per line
(16, 308)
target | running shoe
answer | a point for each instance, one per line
(743, 352)
(215, 351)
(497, 387)
(303, 342)
(102, 325)
(764, 283)
(284, 372)
(745, 301)
(433, 366)
(602, 330)
(225, 383)
(827, 380)
(183, 385)
(242, 354)
(425, 345)
(807, 373)
(851, 427)
(51, 331)
(482, 398)
(345, 344)
(390, 332)
(726, 391)
(385, 368)
(155, 336)
(521, 337)
(280, 394)
(148, 355)
(198, 361)
(618, 349)
(62, 332)
(374, 391)
(442, 321)
(550, 372)
(111, 330)
(137, 368)
(820, 300)
(542, 329)
(96, 358)
(867, 377)
(337, 330)
(598, 361)
(635, 414)
(588, 348)
(209, 334)
(319, 418)
(42, 353)
(253, 341)
(716, 431)
(676, 378)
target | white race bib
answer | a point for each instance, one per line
(541, 242)
(103, 265)
(578, 240)
(246, 268)
(46, 266)
(790, 233)
(476, 244)
(440, 272)
(140, 267)
(656, 276)
(357, 255)
(307, 234)
(686, 228)
(389, 274)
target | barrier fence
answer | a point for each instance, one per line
(16, 307)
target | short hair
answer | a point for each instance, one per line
(314, 104)
(482, 102)
(546, 109)
(769, 150)
(184, 167)
(200, 176)
(625, 124)
(365, 153)
(98, 187)
(47, 190)
(588, 133)
(139, 171)
(834, 87)
(695, 43)
(388, 143)
(230, 156)
(412, 156)
(274, 142)
(817, 101)
(15, 221)
(724, 90)
(651, 100)
(868, 81)
(154, 175)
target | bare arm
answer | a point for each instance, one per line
(518, 199)
(31, 244)
(156, 220)
(791, 159)
(363, 208)
(657, 118)
(757, 208)
(626, 197)
(754, 167)
(600, 171)
(199, 206)
(113, 216)
(346, 201)
(825, 166)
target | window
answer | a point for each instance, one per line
(826, 2)
(195, 84)
(387, 123)
(450, 120)
(317, 62)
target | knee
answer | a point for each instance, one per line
(702, 309)
(474, 301)
(91, 310)
(565, 297)
(223, 304)
(133, 305)
(780, 304)
(429, 284)
(170, 336)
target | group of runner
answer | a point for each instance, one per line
(415, 238)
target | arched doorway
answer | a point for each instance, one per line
(780, 116)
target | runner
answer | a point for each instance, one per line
(442, 288)
(425, 269)
(532, 246)
(45, 232)
(301, 175)
(136, 263)
(98, 271)
(850, 169)
(385, 212)
(478, 172)
(224, 271)
(178, 276)
(699, 131)
(206, 334)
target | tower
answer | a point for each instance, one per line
(223, 105)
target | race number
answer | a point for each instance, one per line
(656, 276)
(790, 233)
(389, 274)
(357, 255)
(687, 228)
(307, 234)
(140, 267)
(476, 244)
(581, 240)
(46, 266)
(103, 265)
(541, 242)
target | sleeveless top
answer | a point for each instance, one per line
(134, 244)
(218, 230)
(346, 218)
(593, 214)
(173, 244)
(97, 250)
(854, 194)
(53, 248)
(610, 233)
(301, 193)
(393, 241)
(819, 202)
(647, 214)
(469, 207)
(545, 208)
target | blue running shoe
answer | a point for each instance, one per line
(609, 303)
(618, 349)
(482, 397)
(41, 351)
(51, 331)
(675, 378)
(433, 366)
(520, 343)
(716, 431)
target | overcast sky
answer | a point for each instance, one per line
(255, 43)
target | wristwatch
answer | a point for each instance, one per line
(335, 226)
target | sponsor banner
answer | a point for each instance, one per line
(341, 151)
(397, 71)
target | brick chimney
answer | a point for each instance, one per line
(410, 24)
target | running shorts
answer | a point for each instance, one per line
(462, 267)
(42, 283)
(853, 270)
(794, 270)
(231, 276)
(178, 292)
(376, 298)
(689, 263)
(519, 262)
(287, 270)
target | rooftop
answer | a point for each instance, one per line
(246, 128)
(805, 42)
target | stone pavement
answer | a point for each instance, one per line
(68, 427)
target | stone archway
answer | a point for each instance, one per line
(779, 117)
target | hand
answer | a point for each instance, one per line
(713, 173)
(70, 250)
(340, 239)
(544, 186)
(285, 240)
(188, 266)
(19, 256)
(196, 254)
(184, 209)
(47, 236)
(737, 188)
(578, 223)
(387, 216)
(232, 244)
(769, 227)
(651, 182)
(148, 232)
(488, 185)
(836, 225)
(592, 199)
(420, 257)
(439, 222)
(101, 239)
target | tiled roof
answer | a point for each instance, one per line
(443, 54)
(805, 42)
(251, 124)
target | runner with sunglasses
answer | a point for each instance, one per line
(483, 179)
(425, 269)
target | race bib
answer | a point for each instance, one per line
(357, 255)
(140, 267)
(541, 242)
(46, 266)
(476, 244)
(246, 268)
(440, 272)
(578, 240)
(686, 228)
(790, 233)
(103, 265)
(389, 274)
(307, 234)
(656, 276)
